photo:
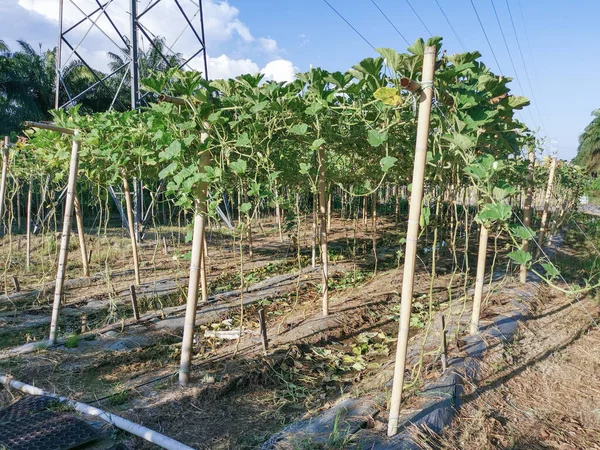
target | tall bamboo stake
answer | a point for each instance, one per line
(64, 240)
(192, 296)
(547, 200)
(479, 278)
(81, 236)
(136, 262)
(314, 233)
(28, 224)
(323, 228)
(527, 212)
(412, 234)
(4, 172)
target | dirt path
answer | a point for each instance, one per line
(540, 392)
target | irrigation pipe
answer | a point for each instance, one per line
(119, 422)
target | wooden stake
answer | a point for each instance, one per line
(547, 201)
(28, 225)
(134, 304)
(164, 239)
(136, 262)
(89, 258)
(527, 213)
(479, 278)
(414, 215)
(81, 236)
(192, 296)
(263, 330)
(16, 284)
(64, 240)
(84, 324)
(323, 228)
(4, 172)
(444, 356)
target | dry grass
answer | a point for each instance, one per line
(541, 392)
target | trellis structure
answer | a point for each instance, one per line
(98, 19)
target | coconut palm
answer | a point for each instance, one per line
(156, 58)
(588, 153)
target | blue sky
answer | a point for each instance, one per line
(558, 40)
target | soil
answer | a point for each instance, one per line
(239, 395)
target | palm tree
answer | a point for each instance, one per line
(154, 59)
(27, 86)
(588, 153)
(26, 80)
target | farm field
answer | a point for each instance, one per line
(368, 259)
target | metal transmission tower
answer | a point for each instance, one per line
(171, 31)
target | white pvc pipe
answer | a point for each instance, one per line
(119, 422)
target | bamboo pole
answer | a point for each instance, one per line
(64, 240)
(4, 172)
(81, 236)
(314, 233)
(547, 200)
(51, 127)
(527, 212)
(329, 211)
(192, 296)
(412, 234)
(323, 228)
(18, 202)
(479, 278)
(136, 209)
(28, 224)
(278, 214)
(203, 283)
(136, 262)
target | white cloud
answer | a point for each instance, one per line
(279, 70)
(226, 34)
(226, 67)
(268, 45)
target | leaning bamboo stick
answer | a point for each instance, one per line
(81, 236)
(547, 200)
(50, 126)
(64, 240)
(527, 213)
(412, 234)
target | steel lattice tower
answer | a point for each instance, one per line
(123, 36)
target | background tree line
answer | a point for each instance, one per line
(28, 82)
